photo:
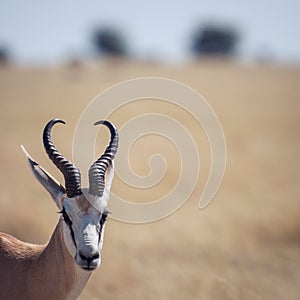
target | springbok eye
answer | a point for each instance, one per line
(103, 219)
(69, 223)
(66, 217)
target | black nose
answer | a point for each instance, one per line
(89, 258)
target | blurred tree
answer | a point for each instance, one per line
(214, 40)
(4, 57)
(109, 42)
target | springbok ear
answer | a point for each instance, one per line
(109, 175)
(55, 189)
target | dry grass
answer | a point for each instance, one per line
(244, 245)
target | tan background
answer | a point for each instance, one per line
(245, 245)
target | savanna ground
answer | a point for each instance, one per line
(244, 245)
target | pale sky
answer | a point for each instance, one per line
(50, 31)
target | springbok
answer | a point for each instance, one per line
(61, 269)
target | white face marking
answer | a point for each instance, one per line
(84, 234)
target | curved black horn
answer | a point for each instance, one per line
(99, 167)
(71, 173)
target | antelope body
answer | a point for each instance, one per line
(61, 269)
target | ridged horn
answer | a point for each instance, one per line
(99, 167)
(70, 171)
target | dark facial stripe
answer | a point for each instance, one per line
(68, 221)
(73, 236)
(102, 222)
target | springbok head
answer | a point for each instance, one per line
(83, 210)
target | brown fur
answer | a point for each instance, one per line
(36, 272)
(83, 203)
